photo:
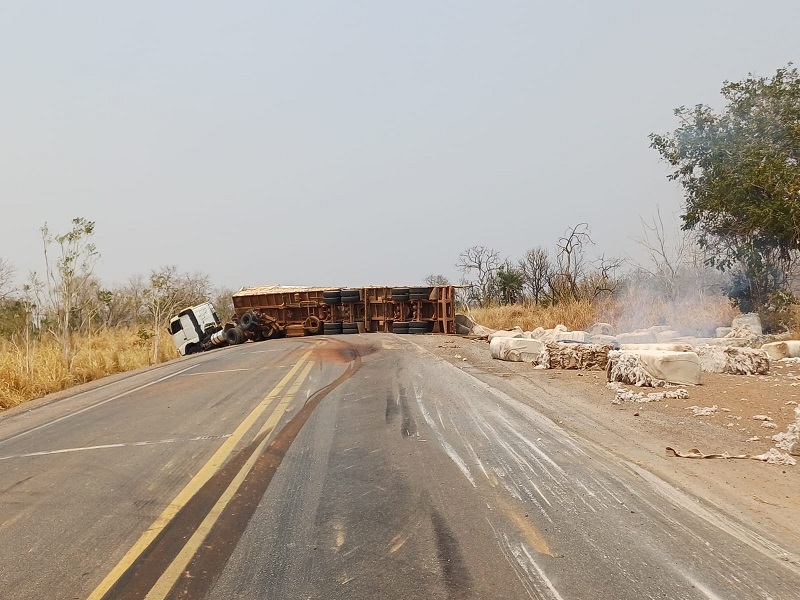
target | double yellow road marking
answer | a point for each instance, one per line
(168, 578)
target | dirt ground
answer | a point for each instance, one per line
(763, 498)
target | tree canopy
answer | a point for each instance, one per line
(740, 171)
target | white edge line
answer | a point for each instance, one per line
(88, 408)
(201, 438)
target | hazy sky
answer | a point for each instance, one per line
(349, 143)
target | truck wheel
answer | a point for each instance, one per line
(400, 327)
(248, 320)
(312, 325)
(332, 328)
(350, 296)
(192, 349)
(234, 336)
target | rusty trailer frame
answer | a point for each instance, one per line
(272, 311)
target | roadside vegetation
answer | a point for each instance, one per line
(62, 327)
(737, 250)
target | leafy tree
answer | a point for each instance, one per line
(509, 283)
(740, 171)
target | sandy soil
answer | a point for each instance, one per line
(763, 497)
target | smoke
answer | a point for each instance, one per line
(692, 302)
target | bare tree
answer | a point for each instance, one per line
(482, 264)
(676, 265)
(222, 299)
(68, 275)
(570, 261)
(436, 280)
(602, 279)
(168, 292)
(6, 278)
(535, 267)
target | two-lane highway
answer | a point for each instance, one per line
(348, 467)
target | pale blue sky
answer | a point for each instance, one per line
(352, 142)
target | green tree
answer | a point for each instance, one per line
(740, 171)
(509, 283)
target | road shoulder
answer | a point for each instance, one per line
(763, 497)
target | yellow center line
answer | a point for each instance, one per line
(198, 481)
(176, 568)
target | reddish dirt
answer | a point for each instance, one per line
(765, 497)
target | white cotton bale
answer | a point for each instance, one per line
(673, 347)
(590, 357)
(603, 340)
(516, 349)
(601, 329)
(653, 367)
(513, 333)
(667, 335)
(702, 341)
(550, 335)
(637, 337)
(746, 326)
(789, 441)
(573, 336)
(733, 360)
(784, 349)
(658, 328)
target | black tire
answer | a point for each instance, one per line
(333, 300)
(417, 330)
(248, 320)
(332, 293)
(331, 328)
(418, 296)
(267, 334)
(426, 291)
(400, 327)
(400, 331)
(399, 298)
(400, 291)
(351, 296)
(234, 336)
(192, 349)
(348, 328)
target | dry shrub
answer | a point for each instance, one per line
(575, 315)
(40, 369)
(691, 316)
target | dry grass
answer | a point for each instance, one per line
(575, 315)
(32, 372)
(695, 316)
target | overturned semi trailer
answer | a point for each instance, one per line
(273, 311)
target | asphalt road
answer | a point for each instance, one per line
(350, 467)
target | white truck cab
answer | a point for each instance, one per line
(193, 326)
